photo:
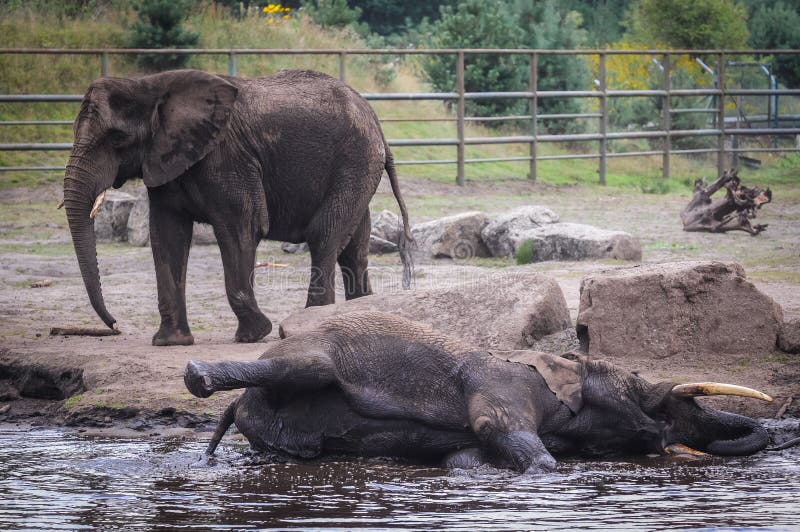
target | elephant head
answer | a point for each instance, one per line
(154, 127)
(627, 414)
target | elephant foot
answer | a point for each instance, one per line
(198, 379)
(166, 336)
(253, 330)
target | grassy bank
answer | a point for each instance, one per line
(25, 27)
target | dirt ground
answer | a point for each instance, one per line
(131, 384)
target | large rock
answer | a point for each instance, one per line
(379, 246)
(386, 225)
(501, 232)
(203, 235)
(789, 337)
(111, 222)
(661, 310)
(289, 247)
(139, 221)
(569, 241)
(506, 311)
(457, 236)
(138, 226)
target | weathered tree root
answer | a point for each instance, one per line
(732, 213)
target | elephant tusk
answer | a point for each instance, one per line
(97, 203)
(699, 389)
(60, 204)
(679, 449)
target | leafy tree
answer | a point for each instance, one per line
(478, 24)
(159, 25)
(602, 19)
(544, 27)
(388, 17)
(332, 13)
(710, 24)
(778, 27)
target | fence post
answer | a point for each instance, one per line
(104, 64)
(666, 120)
(231, 63)
(342, 71)
(721, 114)
(533, 102)
(460, 117)
(601, 74)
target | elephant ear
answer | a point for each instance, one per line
(192, 110)
(562, 376)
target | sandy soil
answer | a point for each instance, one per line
(131, 384)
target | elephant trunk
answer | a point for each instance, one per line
(743, 436)
(80, 190)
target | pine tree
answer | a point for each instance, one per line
(159, 25)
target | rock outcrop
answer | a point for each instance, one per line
(502, 232)
(662, 310)
(506, 311)
(570, 241)
(111, 222)
(456, 237)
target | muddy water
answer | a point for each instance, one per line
(50, 479)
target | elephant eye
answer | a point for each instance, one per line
(118, 138)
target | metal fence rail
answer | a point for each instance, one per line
(720, 122)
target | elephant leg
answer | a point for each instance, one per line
(170, 240)
(353, 261)
(305, 372)
(510, 439)
(238, 250)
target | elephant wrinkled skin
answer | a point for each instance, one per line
(295, 156)
(374, 384)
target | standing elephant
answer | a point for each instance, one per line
(373, 384)
(295, 156)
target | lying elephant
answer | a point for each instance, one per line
(370, 384)
(295, 157)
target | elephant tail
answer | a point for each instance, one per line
(224, 424)
(406, 238)
(390, 170)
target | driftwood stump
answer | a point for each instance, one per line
(731, 213)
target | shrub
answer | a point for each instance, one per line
(160, 25)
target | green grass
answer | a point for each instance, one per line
(73, 401)
(525, 253)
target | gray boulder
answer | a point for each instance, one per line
(379, 246)
(789, 337)
(501, 232)
(111, 222)
(203, 235)
(138, 226)
(386, 225)
(505, 311)
(661, 310)
(457, 237)
(288, 247)
(570, 241)
(139, 222)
